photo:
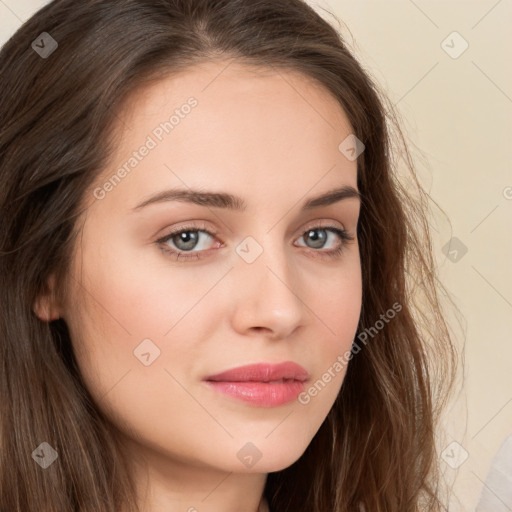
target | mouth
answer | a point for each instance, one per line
(263, 385)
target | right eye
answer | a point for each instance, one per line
(185, 239)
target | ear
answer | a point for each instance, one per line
(46, 306)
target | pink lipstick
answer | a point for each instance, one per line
(264, 385)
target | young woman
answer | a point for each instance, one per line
(216, 293)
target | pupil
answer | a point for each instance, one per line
(189, 238)
(318, 240)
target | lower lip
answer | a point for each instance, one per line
(263, 394)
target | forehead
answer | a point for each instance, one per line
(251, 128)
(234, 94)
(230, 79)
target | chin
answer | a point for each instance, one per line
(273, 457)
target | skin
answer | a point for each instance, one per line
(272, 139)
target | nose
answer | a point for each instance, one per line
(267, 298)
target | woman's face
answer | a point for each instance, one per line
(250, 285)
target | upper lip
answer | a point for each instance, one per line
(262, 372)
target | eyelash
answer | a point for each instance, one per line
(189, 255)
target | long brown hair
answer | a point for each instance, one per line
(376, 448)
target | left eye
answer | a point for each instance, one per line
(186, 239)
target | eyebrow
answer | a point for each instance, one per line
(235, 203)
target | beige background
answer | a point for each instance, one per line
(458, 112)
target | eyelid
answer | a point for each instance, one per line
(200, 226)
(203, 226)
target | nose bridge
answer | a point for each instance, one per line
(266, 254)
(268, 295)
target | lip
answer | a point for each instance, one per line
(262, 384)
(262, 372)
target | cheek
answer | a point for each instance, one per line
(338, 310)
(136, 343)
(337, 306)
(138, 317)
(343, 308)
(112, 310)
(132, 296)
